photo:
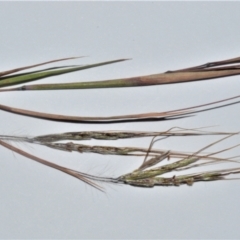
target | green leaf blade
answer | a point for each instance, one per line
(28, 77)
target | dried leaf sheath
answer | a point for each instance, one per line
(156, 79)
(122, 118)
(206, 71)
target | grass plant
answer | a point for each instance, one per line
(157, 162)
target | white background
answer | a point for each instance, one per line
(39, 202)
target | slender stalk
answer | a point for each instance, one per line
(82, 176)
